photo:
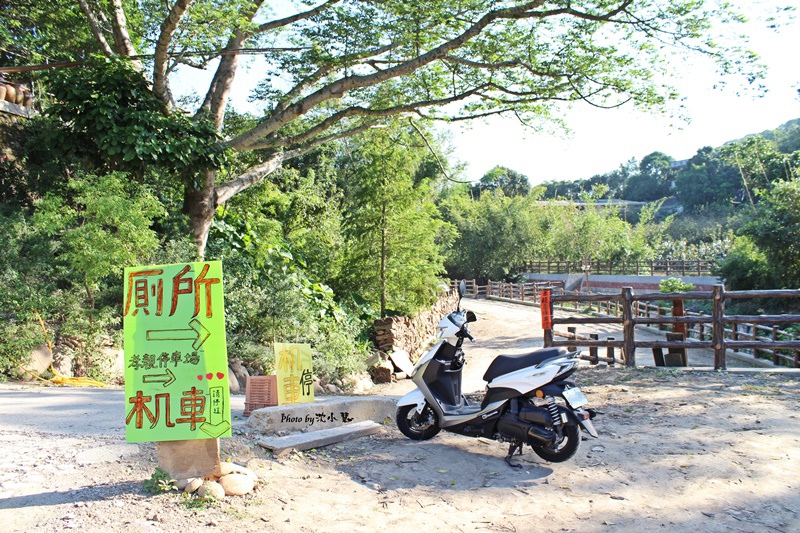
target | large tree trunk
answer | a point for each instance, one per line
(200, 200)
(200, 203)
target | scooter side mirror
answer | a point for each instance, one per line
(471, 317)
(462, 288)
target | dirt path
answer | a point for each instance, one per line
(703, 451)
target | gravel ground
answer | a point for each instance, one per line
(678, 451)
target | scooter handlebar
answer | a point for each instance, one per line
(465, 334)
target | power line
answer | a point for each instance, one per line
(73, 64)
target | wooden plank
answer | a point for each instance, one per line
(601, 343)
(762, 319)
(593, 320)
(674, 344)
(658, 356)
(675, 356)
(783, 293)
(674, 320)
(188, 458)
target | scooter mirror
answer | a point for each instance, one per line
(462, 288)
(471, 317)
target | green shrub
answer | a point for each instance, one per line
(745, 267)
(670, 285)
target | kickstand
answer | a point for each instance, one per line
(513, 447)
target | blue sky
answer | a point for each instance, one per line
(601, 140)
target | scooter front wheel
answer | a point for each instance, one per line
(417, 426)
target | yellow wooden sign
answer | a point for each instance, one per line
(295, 381)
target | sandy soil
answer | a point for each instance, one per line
(678, 451)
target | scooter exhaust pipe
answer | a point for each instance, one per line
(512, 427)
(539, 436)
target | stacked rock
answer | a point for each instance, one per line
(229, 479)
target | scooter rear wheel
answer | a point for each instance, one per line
(565, 449)
(417, 426)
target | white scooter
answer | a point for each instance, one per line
(527, 401)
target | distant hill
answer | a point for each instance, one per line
(701, 180)
(786, 136)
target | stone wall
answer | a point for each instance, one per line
(411, 335)
(10, 133)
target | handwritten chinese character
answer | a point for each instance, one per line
(306, 381)
(191, 407)
(140, 290)
(291, 388)
(140, 410)
(185, 285)
(289, 360)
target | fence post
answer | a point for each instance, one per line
(629, 346)
(718, 318)
(593, 349)
(776, 359)
(610, 353)
(701, 327)
(574, 331)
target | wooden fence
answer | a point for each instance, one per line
(688, 267)
(757, 334)
(713, 332)
(523, 292)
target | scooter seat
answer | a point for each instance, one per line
(505, 364)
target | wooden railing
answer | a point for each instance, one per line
(688, 267)
(631, 310)
(523, 292)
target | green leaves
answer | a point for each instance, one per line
(104, 227)
(395, 237)
(109, 118)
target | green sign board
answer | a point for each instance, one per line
(176, 362)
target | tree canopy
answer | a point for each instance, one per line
(338, 67)
(511, 182)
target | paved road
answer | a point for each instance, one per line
(70, 410)
(502, 328)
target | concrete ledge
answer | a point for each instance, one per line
(323, 413)
(319, 438)
(15, 109)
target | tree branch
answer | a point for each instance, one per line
(160, 67)
(348, 83)
(279, 23)
(252, 176)
(353, 111)
(122, 39)
(503, 64)
(256, 174)
(94, 24)
(323, 71)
